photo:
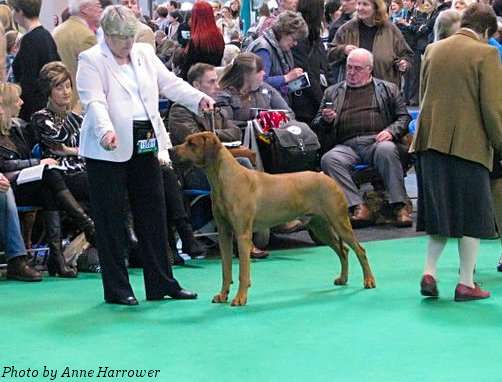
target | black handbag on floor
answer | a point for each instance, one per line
(293, 147)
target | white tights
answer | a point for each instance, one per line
(468, 248)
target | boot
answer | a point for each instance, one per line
(18, 268)
(190, 245)
(56, 264)
(131, 234)
(75, 211)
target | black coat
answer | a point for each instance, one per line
(313, 60)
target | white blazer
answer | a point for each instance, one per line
(106, 100)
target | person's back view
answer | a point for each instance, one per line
(37, 49)
(76, 35)
(459, 127)
(460, 82)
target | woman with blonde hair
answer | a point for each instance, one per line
(51, 192)
(372, 31)
(6, 17)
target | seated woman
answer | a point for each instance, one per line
(51, 191)
(58, 130)
(243, 90)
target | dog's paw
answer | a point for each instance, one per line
(341, 281)
(369, 282)
(220, 298)
(239, 300)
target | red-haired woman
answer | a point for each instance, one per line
(206, 43)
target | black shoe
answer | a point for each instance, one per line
(181, 294)
(184, 294)
(131, 300)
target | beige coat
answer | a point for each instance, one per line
(389, 48)
(461, 99)
(72, 38)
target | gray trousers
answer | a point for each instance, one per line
(384, 156)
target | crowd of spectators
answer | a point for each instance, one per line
(363, 61)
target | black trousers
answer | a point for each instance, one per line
(173, 196)
(140, 179)
(41, 192)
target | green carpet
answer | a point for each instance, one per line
(296, 327)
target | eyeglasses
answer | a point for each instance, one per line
(357, 69)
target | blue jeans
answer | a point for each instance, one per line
(10, 229)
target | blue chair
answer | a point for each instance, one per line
(36, 151)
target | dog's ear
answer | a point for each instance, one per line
(212, 146)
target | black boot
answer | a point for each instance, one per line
(56, 264)
(131, 234)
(190, 245)
(75, 211)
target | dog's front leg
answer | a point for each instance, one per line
(226, 251)
(244, 242)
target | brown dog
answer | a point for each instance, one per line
(245, 201)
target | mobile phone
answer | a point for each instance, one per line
(300, 83)
(329, 105)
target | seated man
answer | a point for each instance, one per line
(182, 123)
(365, 119)
(11, 238)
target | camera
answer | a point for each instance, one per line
(300, 83)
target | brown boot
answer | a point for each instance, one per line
(403, 217)
(361, 216)
(19, 269)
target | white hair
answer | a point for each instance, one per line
(75, 5)
(362, 52)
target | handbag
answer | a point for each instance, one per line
(290, 148)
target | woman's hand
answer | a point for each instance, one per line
(4, 183)
(49, 162)
(293, 74)
(349, 48)
(403, 65)
(109, 141)
(206, 104)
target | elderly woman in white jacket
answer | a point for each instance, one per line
(123, 139)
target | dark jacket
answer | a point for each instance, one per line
(313, 60)
(182, 123)
(15, 150)
(391, 105)
(37, 49)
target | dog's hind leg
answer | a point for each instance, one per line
(244, 241)
(226, 250)
(343, 229)
(323, 231)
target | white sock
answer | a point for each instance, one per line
(434, 250)
(468, 248)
